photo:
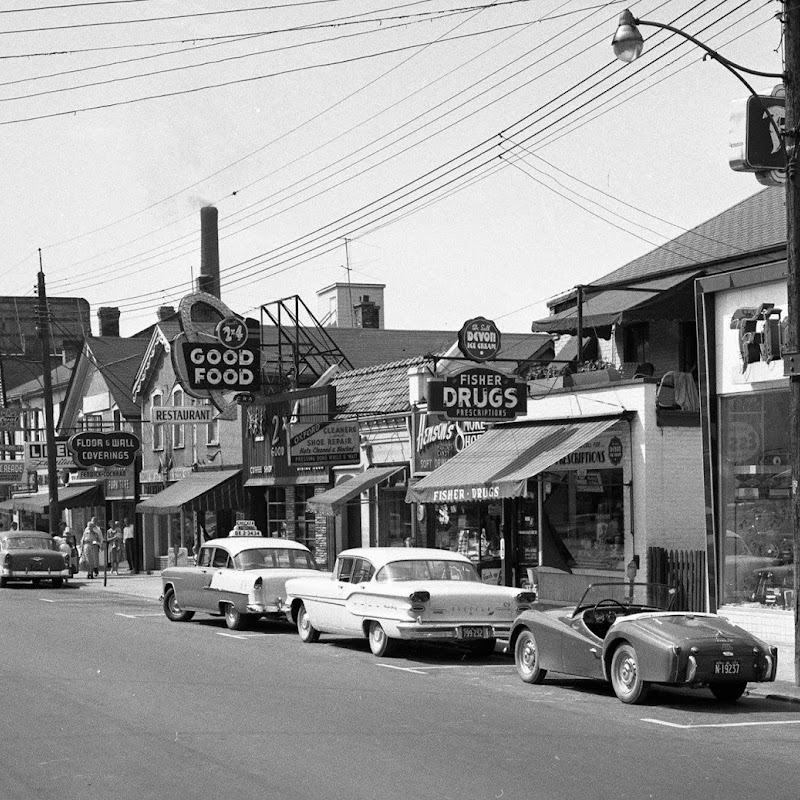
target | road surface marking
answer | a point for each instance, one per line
(135, 616)
(238, 635)
(47, 600)
(722, 724)
(403, 669)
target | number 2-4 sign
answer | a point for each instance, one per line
(232, 332)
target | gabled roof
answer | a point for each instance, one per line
(60, 377)
(118, 360)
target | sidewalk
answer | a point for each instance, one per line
(149, 586)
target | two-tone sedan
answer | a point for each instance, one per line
(31, 556)
(391, 594)
(242, 577)
(626, 633)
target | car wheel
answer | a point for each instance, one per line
(526, 657)
(173, 610)
(728, 692)
(308, 633)
(57, 583)
(484, 648)
(625, 676)
(379, 642)
(234, 619)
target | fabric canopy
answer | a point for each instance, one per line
(82, 495)
(200, 491)
(499, 463)
(643, 301)
(329, 503)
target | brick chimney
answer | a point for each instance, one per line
(366, 313)
(208, 281)
(109, 320)
(165, 312)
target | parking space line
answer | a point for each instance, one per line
(135, 616)
(722, 724)
(238, 635)
(403, 669)
(426, 669)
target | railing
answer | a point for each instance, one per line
(683, 569)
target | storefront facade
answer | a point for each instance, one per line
(746, 450)
(574, 492)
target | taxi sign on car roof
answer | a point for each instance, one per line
(245, 527)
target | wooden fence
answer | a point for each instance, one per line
(683, 569)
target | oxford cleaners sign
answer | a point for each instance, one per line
(479, 394)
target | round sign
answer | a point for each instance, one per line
(232, 332)
(615, 450)
(479, 339)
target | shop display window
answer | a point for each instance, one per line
(472, 529)
(304, 517)
(583, 519)
(755, 551)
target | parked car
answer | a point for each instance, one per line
(626, 633)
(242, 577)
(31, 556)
(388, 594)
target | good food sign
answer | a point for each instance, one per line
(478, 393)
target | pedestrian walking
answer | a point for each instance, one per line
(90, 547)
(66, 534)
(129, 543)
(114, 545)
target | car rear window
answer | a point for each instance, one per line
(30, 543)
(273, 558)
(427, 570)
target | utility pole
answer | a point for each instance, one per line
(791, 39)
(43, 325)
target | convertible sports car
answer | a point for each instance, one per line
(391, 593)
(241, 576)
(31, 556)
(626, 633)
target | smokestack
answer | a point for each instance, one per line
(209, 252)
(109, 320)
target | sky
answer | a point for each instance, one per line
(477, 158)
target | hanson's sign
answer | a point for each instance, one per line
(478, 394)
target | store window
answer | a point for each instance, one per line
(305, 519)
(755, 551)
(472, 529)
(276, 512)
(158, 430)
(582, 519)
(394, 515)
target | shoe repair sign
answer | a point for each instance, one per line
(317, 443)
(478, 393)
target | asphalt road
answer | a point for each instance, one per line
(103, 697)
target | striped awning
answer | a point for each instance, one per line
(220, 490)
(499, 463)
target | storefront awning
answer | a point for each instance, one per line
(329, 503)
(200, 491)
(83, 495)
(659, 298)
(499, 463)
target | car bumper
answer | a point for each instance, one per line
(28, 574)
(457, 632)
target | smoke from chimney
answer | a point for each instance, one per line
(208, 281)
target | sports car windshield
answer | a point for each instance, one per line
(427, 570)
(273, 558)
(656, 596)
(30, 543)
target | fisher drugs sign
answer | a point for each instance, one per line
(478, 394)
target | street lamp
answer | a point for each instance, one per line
(628, 44)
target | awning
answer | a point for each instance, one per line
(329, 503)
(200, 491)
(83, 495)
(649, 299)
(499, 463)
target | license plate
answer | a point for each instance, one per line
(726, 667)
(473, 632)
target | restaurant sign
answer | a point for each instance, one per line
(479, 394)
